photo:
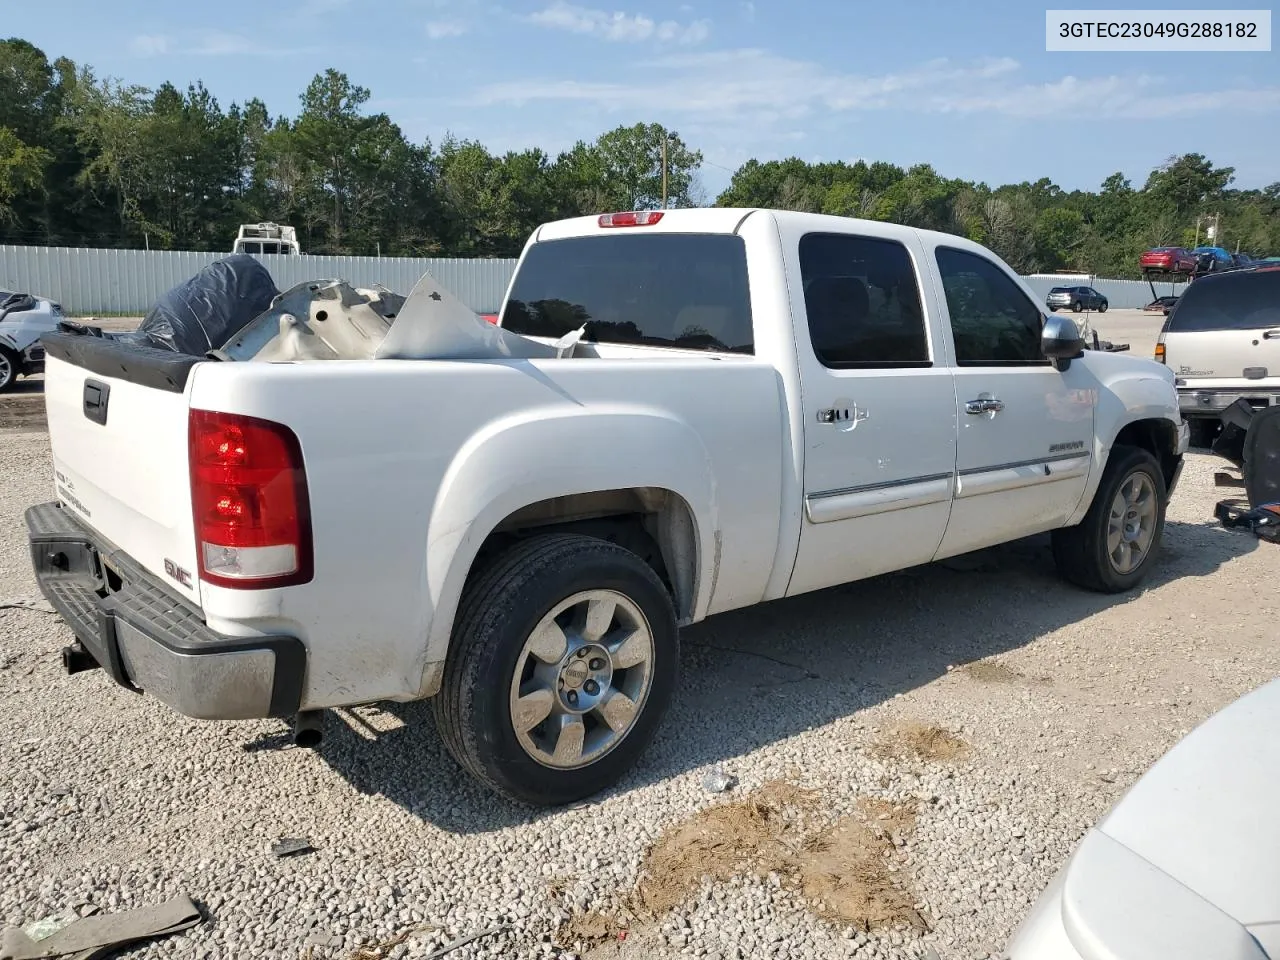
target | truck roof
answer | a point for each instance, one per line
(729, 220)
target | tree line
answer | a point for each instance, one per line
(90, 161)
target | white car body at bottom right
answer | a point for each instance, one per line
(1187, 865)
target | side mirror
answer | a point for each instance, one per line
(1060, 341)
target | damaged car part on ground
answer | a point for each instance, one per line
(526, 561)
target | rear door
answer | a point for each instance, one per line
(1224, 333)
(1025, 429)
(120, 455)
(879, 406)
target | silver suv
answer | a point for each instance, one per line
(1222, 341)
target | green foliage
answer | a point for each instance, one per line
(96, 162)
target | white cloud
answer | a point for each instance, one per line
(217, 43)
(150, 45)
(618, 26)
(442, 29)
(749, 11)
(768, 92)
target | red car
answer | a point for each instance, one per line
(1168, 260)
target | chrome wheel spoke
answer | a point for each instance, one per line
(630, 650)
(532, 708)
(600, 613)
(548, 643)
(618, 711)
(569, 741)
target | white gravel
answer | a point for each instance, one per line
(111, 799)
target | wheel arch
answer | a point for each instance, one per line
(623, 475)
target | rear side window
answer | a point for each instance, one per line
(863, 302)
(1243, 301)
(666, 290)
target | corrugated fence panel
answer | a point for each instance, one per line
(130, 281)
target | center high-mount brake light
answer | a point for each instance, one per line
(249, 501)
(637, 218)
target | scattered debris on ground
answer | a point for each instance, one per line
(98, 935)
(719, 781)
(291, 846)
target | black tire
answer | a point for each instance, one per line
(1080, 552)
(1077, 307)
(1102, 307)
(1053, 309)
(499, 610)
(9, 369)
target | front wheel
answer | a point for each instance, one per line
(563, 660)
(1077, 307)
(1112, 548)
(1102, 307)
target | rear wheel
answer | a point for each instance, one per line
(1077, 307)
(563, 660)
(1112, 548)
(10, 366)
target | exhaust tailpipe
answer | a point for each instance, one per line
(308, 728)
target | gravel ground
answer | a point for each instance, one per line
(1062, 697)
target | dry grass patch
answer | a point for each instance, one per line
(922, 741)
(847, 871)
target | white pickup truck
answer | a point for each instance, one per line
(758, 404)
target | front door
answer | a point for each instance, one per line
(879, 408)
(1025, 429)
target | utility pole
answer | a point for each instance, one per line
(664, 168)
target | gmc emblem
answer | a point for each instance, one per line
(177, 573)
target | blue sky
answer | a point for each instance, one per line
(967, 88)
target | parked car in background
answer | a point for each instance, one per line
(1184, 865)
(1213, 259)
(1222, 342)
(1077, 298)
(24, 319)
(1167, 260)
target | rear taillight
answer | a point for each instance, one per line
(1160, 350)
(249, 500)
(636, 218)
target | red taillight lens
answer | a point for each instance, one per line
(249, 500)
(637, 218)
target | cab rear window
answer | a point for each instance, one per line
(1240, 301)
(687, 291)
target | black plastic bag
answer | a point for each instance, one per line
(200, 314)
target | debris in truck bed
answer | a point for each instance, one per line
(199, 314)
(317, 320)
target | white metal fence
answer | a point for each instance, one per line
(129, 281)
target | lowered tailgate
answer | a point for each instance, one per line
(118, 430)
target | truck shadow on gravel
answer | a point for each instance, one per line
(760, 675)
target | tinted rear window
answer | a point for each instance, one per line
(1060, 290)
(671, 290)
(1245, 301)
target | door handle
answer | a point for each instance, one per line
(984, 405)
(843, 415)
(1271, 335)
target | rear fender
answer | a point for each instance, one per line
(576, 451)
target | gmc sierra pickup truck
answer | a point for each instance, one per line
(679, 413)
